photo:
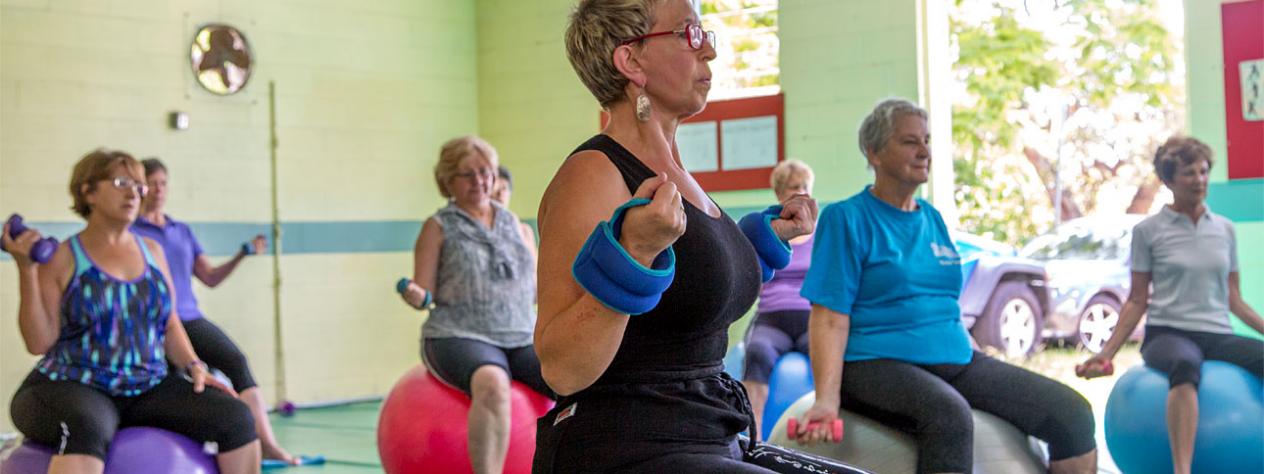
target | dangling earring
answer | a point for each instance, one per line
(643, 107)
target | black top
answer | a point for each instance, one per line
(665, 390)
(717, 281)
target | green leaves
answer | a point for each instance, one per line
(1108, 65)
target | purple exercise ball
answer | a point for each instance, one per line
(134, 450)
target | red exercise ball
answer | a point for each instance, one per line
(422, 427)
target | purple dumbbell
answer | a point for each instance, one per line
(43, 250)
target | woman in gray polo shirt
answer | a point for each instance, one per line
(477, 266)
(1190, 255)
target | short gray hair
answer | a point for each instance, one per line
(877, 128)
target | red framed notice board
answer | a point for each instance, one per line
(733, 144)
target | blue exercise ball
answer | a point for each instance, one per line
(1230, 435)
(735, 361)
(790, 380)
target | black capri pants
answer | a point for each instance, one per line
(74, 418)
(218, 351)
(772, 335)
(454, 359)
(1180, 353)
(933, 403)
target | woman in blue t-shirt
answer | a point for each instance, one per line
(884, 283)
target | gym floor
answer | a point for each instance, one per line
(347, 434)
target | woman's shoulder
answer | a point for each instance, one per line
(585, 175)
(848, 208)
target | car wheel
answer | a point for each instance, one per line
(1097, 322)
(1012, 320)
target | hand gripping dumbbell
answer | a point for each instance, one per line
(836, 432)
(42, 250)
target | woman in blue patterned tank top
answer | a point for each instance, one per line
(101, 313)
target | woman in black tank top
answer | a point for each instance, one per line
(645, 393)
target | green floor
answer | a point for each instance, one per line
(346, 435)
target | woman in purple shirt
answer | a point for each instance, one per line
(781, 323)
(187, 261)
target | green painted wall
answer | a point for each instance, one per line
(1204, 55)
(366, 93)
(534, 109)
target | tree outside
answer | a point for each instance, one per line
(1087, 87)
(747, 61)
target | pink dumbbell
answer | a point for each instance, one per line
(1085, 372)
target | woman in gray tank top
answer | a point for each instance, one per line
(474, 269)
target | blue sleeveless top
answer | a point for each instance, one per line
(112, 331)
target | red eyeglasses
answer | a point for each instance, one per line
(693, 33)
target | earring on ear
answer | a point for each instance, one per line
(643, 107)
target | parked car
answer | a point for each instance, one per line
(1003, 299)
(1087, 260)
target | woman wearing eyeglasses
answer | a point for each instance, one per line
(102, 315)
(184, 255)
(641, 273)
(474, 270)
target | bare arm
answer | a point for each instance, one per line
(1130, 315)
(40, 289)
(827, 342)
(576, 336)
(213, 275)
(425, 263)
(1239, 307)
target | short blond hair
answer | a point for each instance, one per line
(596, 29)
(96, 166)
(1179, 151)
(786, 170)
(456, 151)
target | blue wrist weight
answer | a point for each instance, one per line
(402, 285)
(604, 268)
(774, 253)
(247, 249)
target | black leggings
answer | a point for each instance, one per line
(667, 425)
(454, 360)
(761, 459)
(772, 335)
(933, 403)
(1180, 353)
(218, 351)
(74, 418)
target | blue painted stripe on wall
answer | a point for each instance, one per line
(225, 238)
(1240, 200)
(349, 237)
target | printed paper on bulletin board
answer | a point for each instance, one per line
(1244, 87)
